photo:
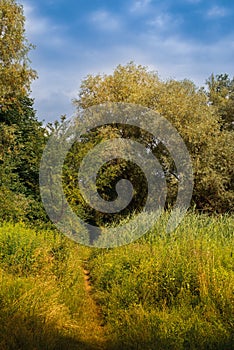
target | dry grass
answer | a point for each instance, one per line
(43, 300)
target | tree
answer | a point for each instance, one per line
(27, 140)
(22, 136)
(108, 176)
(15, 73)
(221, 96)
(187, 108)
(22, 140)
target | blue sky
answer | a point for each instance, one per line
(177, 38)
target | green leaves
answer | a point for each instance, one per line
(221, 96)
(191, 111)
(15, 73)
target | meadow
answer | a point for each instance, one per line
(43, 302)
(170, 291)
(164, 291)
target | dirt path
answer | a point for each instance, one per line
(93, 323)
(87, 280)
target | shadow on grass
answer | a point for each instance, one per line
(21, 332)
(30, 333)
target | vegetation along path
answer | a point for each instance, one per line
(93, 324)
(45, 294)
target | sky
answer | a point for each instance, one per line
(179, 39)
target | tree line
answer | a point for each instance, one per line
(203, 116)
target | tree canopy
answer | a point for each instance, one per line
(15, 72)
(190, 111)
(22, 136)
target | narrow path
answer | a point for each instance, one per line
(87, 280)
(91, 316)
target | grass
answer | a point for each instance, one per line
(161, 292)
(43, 302)
(170, 291)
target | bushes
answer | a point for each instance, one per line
(13, 206)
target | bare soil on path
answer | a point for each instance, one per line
(93, 324)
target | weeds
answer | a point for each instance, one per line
(42, 298)
(170, 291)
(161, 292)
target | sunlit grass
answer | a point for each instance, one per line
(164, 291)
(170, 291)
(43, 302)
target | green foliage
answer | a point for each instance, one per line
(15, 73)
(22, 142)
(109, 174)
(22, 139)
(130, 84)
(189, 111)
(221, 96)
(13, 206)
(170, 292)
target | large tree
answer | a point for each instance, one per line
(22, 136)
(15, 72)
(187, 108)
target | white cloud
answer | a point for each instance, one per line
(179, 58)
(104, 20)
(173, 57)
(40, 29)
(164, 21)
(140, 6)
(170, 55)
(57, 86)
(160, 21)
(34, 25)
(54, 90)
(217, 11)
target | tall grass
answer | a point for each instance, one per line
(43, 302)
(164, 291)
(170, 291)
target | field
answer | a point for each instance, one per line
(161, 292)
